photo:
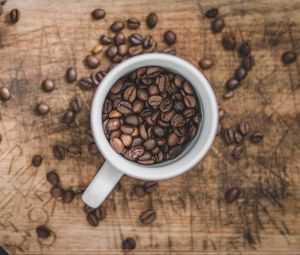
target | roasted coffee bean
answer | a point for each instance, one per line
(68, 117)
(53, 178)
(153, 90)
(117, 145)
(100, 213)
(92, 219)
(244, 128)
(133, 23)
(288, 57)
(86, 83)
(143, 94)
(256, 137)
(135, 39)
(42, 109)
(68, 196)
(238, 137)
(105, 40)
(119, 38)
(238, 152)
(56, 191)
(240, 73)
(228, 135)
(114, 114)
(244, 49)
(155, 100)
(232, 84)
(93, 149)
(149, 144)
(212, 13)
(92, 61)
(150, 186)
(14, 16)
(206, 63)
(117, 87)
(132, 120)
(158, 131)
(169, 50)
(228, 41)
(76, 104)
(217, 24)
(98, 14)
(71, 74)
(112, 51)
(248, 62)
(123, 50)
(137, 141)
(175, 151)
(232, 194)
(190, 101)
(124, 107)
(43, 231)
(97, 49)
(139, 190)
(117, 26)
(113, 124)
(169, 37)
(58, 152)
(177, 120)
(126, 129)
(172, 140)
(166, 105)
(37, 160)
(4, 94)
(148, 217)
(74, 151)
(151, 20)
(130, 94)
(136, 152)
(128, 244)
(228, 94)
(148, 42)
(134, 51)
(126, 139)
(48, 85)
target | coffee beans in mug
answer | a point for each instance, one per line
(150, 115)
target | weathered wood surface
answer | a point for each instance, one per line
(192, 215)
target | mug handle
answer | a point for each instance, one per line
(102, 184)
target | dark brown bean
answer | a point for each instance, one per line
(76, 104)
(100, 213)
(169, 37)
(238, 137)
(256, 137)
(240, 73)
(86, 83)
(136, 152)
(98, 14)
(58, 152)
(134, 51)
(56, 191)
(158, 131)
(4, 94)
(132, 120)
(68, 117)
(288, 57)
(92, 61)
(130, 94)
(37, 160)
(149, 144)
(232, 84)
(74, 151)
(175, 151)
(211, 13)
(137, 141)
(124, 107)
(244, 128)
(112, 51)
(151, 20)
(150, 186)
(117, 145)
(135, 39)
(139, 190)
(190, 101)
(105, 40)
(148, 42)
(117, 26)
(53, 178)
(248, 62)
(172, 140)
(148, 217)
(43, 231)
(14, 16)
(232, 194)
(119, 38)
(228, 135)
(92, 219)
(238, 152)
(206, 63)
(133, 23)
(71, 74)
(217, 24)
(166, 105)
(42, 109)
(228, 41)
(128, 244)
(48, 85)
(113, 124)
(68, 196)
(244, 49)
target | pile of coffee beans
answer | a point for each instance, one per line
(150, 115)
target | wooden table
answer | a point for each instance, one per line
(193, 217)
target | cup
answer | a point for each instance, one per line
(116, 165)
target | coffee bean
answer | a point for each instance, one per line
(100, 213)
(92, 219)
(169, 37)
(68, 196)
(124, 107)
(172, 139)
(232, 84)
(240, 73)
(228, 135)
(135, 39)
(238, 152)
(126, 139)
(123, 50)
(212, 13)
(175, 151)
(43, 231)
(206, 63)
(97, 49)
(76, 104)
(158, 131)
(87, 209)
(113, 124)
(14, 16)
(53, 178)
(37, 160)
(238, 137)
(92, 61)
(112, 51)
(244, 49)
(132, 120)
(56, 191)
(68, 117)
(232, 194)
(71, 74)
(248, 62)
(228, 41)
(4, 94)
(150, 186)
(93, 149)
(166, 105)
(119, 38)
(139, 190)
(105, 40)
(136, 141)
(117, 145)
(217, 24)
(288, 57)
(117, 26)
(48, 85)
(98, 14)
(151, 20)
(42, 109)
(149, 144)
(256, 137)
(155, 100)
(148, 217)
(169, 50)
(134, 51)
(133, 23)
(74, 151)
(128, 244)
(86, 83)
(190, 101)
(136, 152)
(130, 94)
(244, 128)
(228, 94)
(58, 152)
(148, 42)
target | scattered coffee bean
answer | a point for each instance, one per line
(232, 84)
(87, 208)
(98, 14)
(68, 196)
(212, 13)
(148, 42)
(71, 74)
(37, 160)
(43, 231)
(86, 83)
(53, 178)
(14, 16)
(42, 109)
(105, 40)
(228, 135)
(134, 51)
(228, 41)
(76, 104)
(139, 190)
(244, 128)
(48, 85)
(248, 62)
(133, 23)
(112, 51)
(92, 61)
(256, 137)
(206, 63)
(148, 217)
(100, 213)
(240, 73)
(74, 151)
(68, 117)
(150, 186)
(123, 50)
(238, 152)
(288, 57)
(232, 194)
(4, 94)
(58, 152)
(135, 39)
(217, 24)
(117, 26)
(151, 20)
(97, 49)
(238, 137)
(128, 244)
(92, 219)
(169, 37)
(119, 38)
(228, 94)
(169, 50)
(56, 191)
(244, 49)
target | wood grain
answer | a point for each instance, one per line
(192, 215)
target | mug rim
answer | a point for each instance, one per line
(209, 125)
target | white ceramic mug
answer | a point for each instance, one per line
(116, 165)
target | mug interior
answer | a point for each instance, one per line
(193, 152)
